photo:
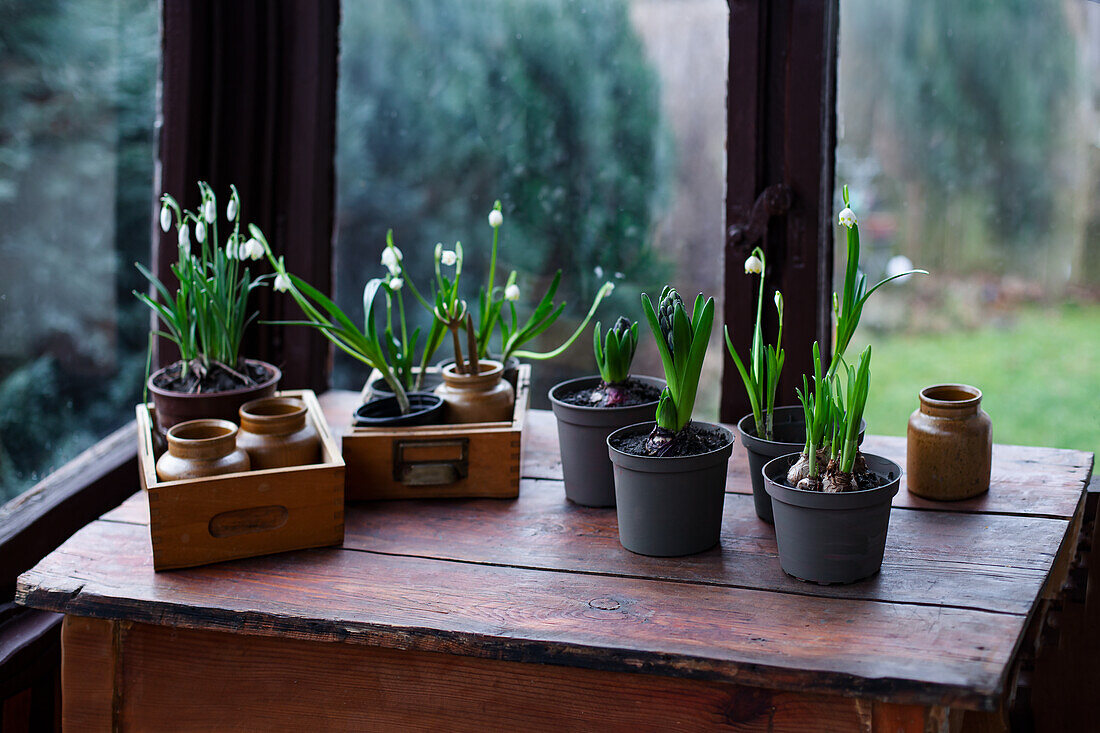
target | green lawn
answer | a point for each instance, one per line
(1039, 373)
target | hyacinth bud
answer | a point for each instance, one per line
(621, 327)
(665, 313)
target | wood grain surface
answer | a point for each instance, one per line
(540, 580)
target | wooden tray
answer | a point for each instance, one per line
(473, 460)
(205, 520)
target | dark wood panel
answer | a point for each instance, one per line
(960, 560)
(200, 680)
(896, 652)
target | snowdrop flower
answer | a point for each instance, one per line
(184, 238)
(511, 292)
(753, 265)
(252, 249)
(897, 265)
(231, 209)
(495, 218)
(396, 284)
(231, 248)
(848, 217)
(779, 303)
(391, 257)
(448, 257)
(209, 211)
(165, 218)
(282, 282)
(200, 232)
(598, 271)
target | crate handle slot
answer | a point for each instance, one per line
(248, 521)
(430, 462)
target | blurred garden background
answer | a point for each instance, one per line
(968, 132)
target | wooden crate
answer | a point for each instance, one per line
(205, 520)
(473, 460)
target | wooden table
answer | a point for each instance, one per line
(528, 614)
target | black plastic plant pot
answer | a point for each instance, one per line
(379, 389)
(669, 506)
(582, 436)
(831, 538)
(426, 408)
(789, 429)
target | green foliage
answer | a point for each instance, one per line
(616, 352)
(682, 344)
(550, 101)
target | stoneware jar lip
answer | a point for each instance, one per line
(490, 372)
(220, 438)
(576, 384)
(288, 414)
(950, 397)
(274, 375)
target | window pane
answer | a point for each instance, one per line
(599, 124)
(970, 139)
(76, 164)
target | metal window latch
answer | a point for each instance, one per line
(430, 462)
(747, 228)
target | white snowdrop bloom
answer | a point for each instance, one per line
(231, 210)
(184, 238)
(209, 211)
(231, 248)
(448, 257)
(165, 218)
(753, 265)
(200, 232)
(391, 256)
(495, 218)
(897, 265)
(396, 283)
(282, 282)
(598, 271)
(511, 292)
(779, 301)
(848, 217)
(252, 249)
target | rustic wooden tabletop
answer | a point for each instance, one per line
(539, 579)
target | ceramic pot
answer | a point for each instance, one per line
(582, 436)
(176, 407)
(275, 433)
(669, 506)
(426, 408)
(831, 538)
(482, 397)
(789, 431)
(198, 448)
(511, 367)
(949, 445)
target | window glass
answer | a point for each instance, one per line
(599, 125)
(969, 135)
(77, 83)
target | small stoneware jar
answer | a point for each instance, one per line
(275, 433)
(950, 444)
(482, 397)
(198, 448)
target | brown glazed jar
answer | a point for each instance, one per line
(198, 448)
(483, 397)
(275, 433)
(950, 444)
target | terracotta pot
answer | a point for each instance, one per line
(582, 436)
(275, 433)
(426, 408)
(176, 407)
(482, 397)
(669, 506)
(198, 448)
(789, 431)
(950, 444)
(831, 538)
